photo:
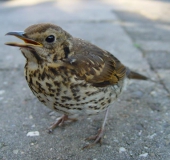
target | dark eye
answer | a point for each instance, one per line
(50, 39)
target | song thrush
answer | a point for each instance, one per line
(71, 75)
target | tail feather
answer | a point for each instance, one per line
(134, 75)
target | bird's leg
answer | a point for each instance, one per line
(60, 122)
(98, 137)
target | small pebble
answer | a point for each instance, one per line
(32, 144)
(153, 93)
(22, 152)
(115, 140)
(143, 155)
(15, 151)
(131, 153)
(33, 133)
(122, 149)
(30, 117)
(140, 132)
(33, 126)
(151, 136)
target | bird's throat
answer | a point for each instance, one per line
(31, 55)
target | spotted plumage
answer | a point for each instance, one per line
(70, 75)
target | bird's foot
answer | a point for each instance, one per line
(97, 139)
(60, 121)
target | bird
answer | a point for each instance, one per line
(70, 75)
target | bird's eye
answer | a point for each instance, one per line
(50, 39)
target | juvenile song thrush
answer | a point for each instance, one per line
(71, 75)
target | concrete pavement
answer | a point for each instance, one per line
(139, 123)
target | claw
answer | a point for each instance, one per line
(97, 139)
(60, 122)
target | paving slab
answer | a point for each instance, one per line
(138, 126)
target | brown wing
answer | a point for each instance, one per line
(95, 65)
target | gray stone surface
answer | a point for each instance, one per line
(162, 59)
(139, 123)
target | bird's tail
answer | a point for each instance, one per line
(134, 75)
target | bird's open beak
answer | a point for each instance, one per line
(21, 35)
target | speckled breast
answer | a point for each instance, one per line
(62, 91)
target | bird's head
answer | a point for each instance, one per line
(43, 42)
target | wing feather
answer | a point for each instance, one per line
(95, 65)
